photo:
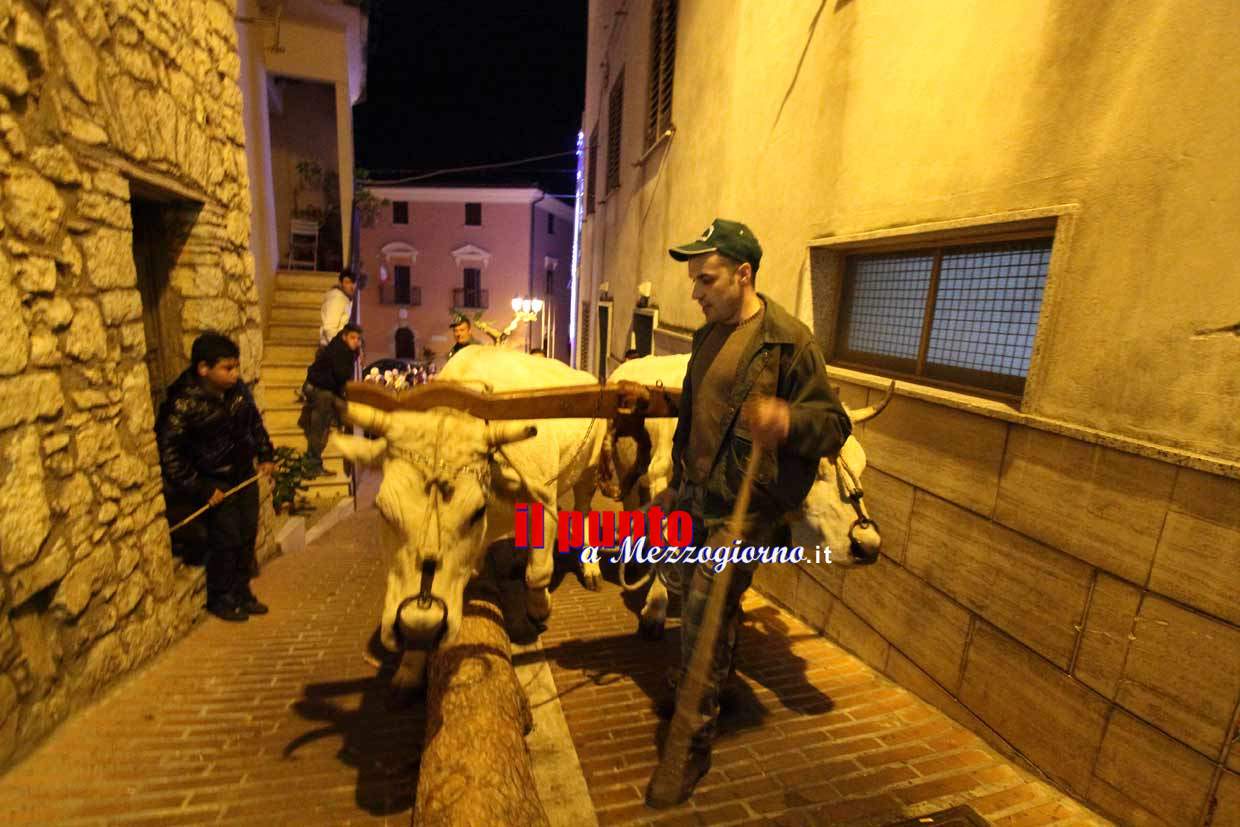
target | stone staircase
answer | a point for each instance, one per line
(292, 338)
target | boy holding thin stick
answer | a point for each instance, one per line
(210, 433)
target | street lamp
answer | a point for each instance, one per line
(527, 310)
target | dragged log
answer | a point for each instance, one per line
(475, 763)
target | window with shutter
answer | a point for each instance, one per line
(662, 69)
(591, 170)
(615, 123)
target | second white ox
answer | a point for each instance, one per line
(450, 481)
(831, 517)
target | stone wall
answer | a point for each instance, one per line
(96, 96)
(1077, 605)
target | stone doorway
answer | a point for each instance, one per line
(405, 344)
(161, 227)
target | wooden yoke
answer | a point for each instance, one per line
(623, 399)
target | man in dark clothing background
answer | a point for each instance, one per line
(325, 381)
(209, 434)
(756, 380)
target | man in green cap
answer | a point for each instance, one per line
(756, 381)
(462, 332)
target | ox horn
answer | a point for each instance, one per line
(870, 411)
(372, 419)
(503, 433)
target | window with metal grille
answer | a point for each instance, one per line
(604, 339)
(583, 325)
(960, 315)
(401, 283)
(615, 122)
(473, 215)
(662, 69)
(400, 212)
(591, 169)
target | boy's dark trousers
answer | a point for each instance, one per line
(318, 416)
(224, 537)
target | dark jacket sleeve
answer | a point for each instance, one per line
(263, 449)
(172, 437)
(684, 418)
(818, 424)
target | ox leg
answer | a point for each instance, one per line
(409, 680)
(538, 570)
(583, 493)
(654, 612)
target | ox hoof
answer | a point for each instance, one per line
(650, 629)
(591, 577)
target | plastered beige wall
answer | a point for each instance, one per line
(808, 120)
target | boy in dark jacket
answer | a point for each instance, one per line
(325, 381)
(210, 434)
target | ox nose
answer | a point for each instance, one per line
(864, 542)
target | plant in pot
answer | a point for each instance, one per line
(292, 470)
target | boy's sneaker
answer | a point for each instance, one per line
(251, 604)
(226, 608)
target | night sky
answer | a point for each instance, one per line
(461, 83)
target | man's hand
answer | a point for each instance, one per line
(266, 468)
(217, 497)
(768, 420)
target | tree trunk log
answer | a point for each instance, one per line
(476, 765)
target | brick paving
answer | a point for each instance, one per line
(817, 737)
(279, 721)
(274, 721)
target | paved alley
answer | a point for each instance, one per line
(280, 721)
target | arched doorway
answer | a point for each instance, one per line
(405, 344)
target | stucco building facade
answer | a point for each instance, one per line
(433, 251)
(1058, 491)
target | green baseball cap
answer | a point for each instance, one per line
(730, 238)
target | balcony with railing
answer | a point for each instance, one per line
(407, 295)
(470, 298)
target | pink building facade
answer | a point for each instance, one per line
(434, 251)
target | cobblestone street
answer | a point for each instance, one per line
(279, 721)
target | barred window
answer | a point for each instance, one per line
(591, 169)
(615, 122)
(662, 68)
(960, 315)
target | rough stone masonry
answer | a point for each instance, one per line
(94, 96)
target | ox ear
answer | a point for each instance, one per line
(503, 433)
(358, 449)
(870, 411)
(372, 419)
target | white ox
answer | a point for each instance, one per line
(450, 483)
(829, 517)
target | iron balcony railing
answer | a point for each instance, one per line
(470, 298)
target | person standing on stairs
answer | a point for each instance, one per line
(325, 381)
(337, 307)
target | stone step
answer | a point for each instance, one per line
(281, 416)
(294, 438)
(326, 489)
(292, 334)
(294, 314)
(277, 374)
(303, 355)
(297, 298)
(305, 280)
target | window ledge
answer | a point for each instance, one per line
(995, 409)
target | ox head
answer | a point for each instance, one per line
(835, 513)
(434, 498)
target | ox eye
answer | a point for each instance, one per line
(478, 515)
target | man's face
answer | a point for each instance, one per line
(718, 286)
(222, 375)
(461, 332)
(349, 286)
(353, 340)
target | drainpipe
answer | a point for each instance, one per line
(530, 291)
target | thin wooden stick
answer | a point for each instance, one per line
(669, 775)
(208, 506)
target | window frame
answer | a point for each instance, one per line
(1002, 387)
(477, 208)
(403, 205)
